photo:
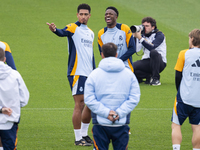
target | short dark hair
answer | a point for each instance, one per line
(84, 6)
(150, 20)
(2, 54)
(109, 50)
(113, 8)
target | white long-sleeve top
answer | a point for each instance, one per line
(13, 94)
(155, 40)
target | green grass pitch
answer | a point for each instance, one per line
(41, 58)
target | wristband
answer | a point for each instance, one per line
(141, 40)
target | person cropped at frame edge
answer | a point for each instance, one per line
(111, 93)
(14, 95)
(187, 102)
(9, 61)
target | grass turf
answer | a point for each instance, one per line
(41, 58)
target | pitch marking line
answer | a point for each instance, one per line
(52, 109)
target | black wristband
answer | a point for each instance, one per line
(1, 110)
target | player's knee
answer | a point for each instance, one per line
(196, 140)
(79, 105)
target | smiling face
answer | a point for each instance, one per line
(83, 15)
(111, 18)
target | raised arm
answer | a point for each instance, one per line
(52, 26)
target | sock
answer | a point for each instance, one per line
(196, 148)
(77, 133)
(84, 129)
(1, 148)
(176, 147)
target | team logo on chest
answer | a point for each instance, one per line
(120, 38)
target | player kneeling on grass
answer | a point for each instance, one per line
(111, 93)
(14, 95)
(187, 102)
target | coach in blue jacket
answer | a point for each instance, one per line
(111, 93)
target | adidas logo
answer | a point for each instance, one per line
(196, 64)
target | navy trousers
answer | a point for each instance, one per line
(9, 138)
(103, 135)
(151, 67)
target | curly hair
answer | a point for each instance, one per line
(150, 20)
